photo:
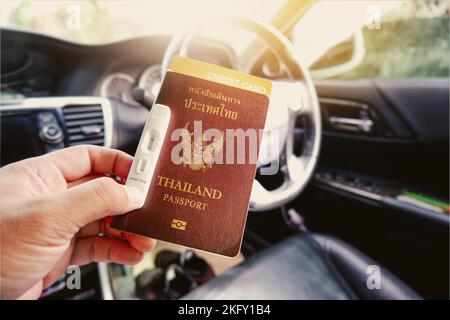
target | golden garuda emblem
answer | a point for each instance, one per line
(199, 154)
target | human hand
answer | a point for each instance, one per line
(55, 209)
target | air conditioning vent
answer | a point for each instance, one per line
(84, 124)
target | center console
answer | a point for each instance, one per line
(41, 125)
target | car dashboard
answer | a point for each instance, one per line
(35, 65)
(85, 87)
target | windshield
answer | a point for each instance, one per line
(375, 39)
(95, 22)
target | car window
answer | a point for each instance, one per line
(411, 40)
(100, 21)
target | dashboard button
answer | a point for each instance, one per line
(46, 118)
(51, 134)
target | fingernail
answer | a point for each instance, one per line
(136, 255)
(135, 196)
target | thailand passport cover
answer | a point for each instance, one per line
(200, 191)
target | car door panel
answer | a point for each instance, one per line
(415, 152)
(411, 154)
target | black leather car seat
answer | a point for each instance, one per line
(306, 266)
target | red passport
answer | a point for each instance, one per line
(200, 191)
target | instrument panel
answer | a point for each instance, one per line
(136, 80)
(141, 89)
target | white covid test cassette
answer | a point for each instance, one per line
(149, 149)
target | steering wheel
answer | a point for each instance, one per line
(289, 100)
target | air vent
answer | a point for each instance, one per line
(84, 124)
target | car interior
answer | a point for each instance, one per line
(372, 192)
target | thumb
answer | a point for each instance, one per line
(97, 199)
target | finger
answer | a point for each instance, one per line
(60, 267)
(94, 200)
(100, 249)
(84, 179)
(79, 161)
(95, 228)
(33, 293)
(98, 227)
(140, 243)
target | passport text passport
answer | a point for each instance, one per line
(200, 191)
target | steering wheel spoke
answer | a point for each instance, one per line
(292, 95)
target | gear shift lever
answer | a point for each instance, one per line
(150, 284)
(178, 282)
(196, 267)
